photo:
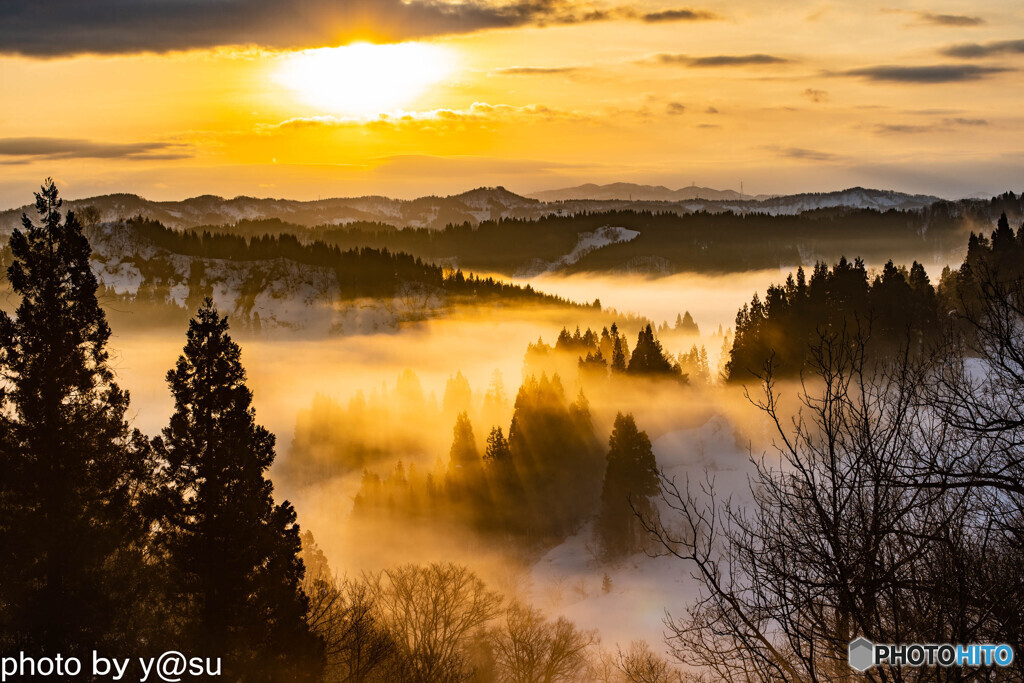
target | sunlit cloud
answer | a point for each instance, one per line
(479, 112)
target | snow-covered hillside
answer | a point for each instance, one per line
(266, 295)
(586, 243)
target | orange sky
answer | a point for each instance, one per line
(805, 96)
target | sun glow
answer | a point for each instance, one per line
(364, 79)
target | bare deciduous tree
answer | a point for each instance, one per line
(356, 645)
(640, 664)
(531, 649)
(431, 612)
(839, 542)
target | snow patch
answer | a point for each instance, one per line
(586, 242)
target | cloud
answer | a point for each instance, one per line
(675, 108)
(939, 73)
(28, 149)
(906, 129)
(949, 19)
(720, 60)
(946, 125)
(804, 154)
(536, 70)
(975, 50)
(815, 95)
(480, 114)
(935, 19)
(965, 122)
(67, 27)
(678, 15)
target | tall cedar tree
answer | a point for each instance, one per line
(629, 482)
(648, 357)
(231, 553)
(467, 484)
(70, 470)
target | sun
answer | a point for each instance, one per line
(363, 79)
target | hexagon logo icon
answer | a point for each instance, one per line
(862, 654)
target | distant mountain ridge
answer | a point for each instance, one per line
(473, 207)
(635, 192)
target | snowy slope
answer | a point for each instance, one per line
(586, 242)
(279, 293)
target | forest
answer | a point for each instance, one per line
(670, 242)
(886, 502)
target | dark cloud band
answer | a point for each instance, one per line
(975, 50)
(678, 15)
(721, 60)
(50, 28)
(941, 73)
(950, 19)
(28, 149)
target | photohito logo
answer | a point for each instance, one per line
(863, 654)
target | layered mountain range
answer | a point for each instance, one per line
(474, 207)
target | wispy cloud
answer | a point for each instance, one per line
(675, 108)
(720, 60)
(949, 19)
(678, 15)
(804, 154)
(975, 50)
(945, 125)
(43, 148)
(536, 70)
(960, 121)
(939, 73)
(906, 129)
(937, 19)
(815, 95)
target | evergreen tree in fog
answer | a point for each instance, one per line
(629, 482)
(231, 553)
(70, 468)
(648, 357)
(465, 479)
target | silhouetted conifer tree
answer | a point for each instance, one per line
(71, 471)
(231, 553)
(648, 357)
(466, 481)
(620, 351)
(629, 482)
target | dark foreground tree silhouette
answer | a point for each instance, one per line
(231, 553)
(70, 469)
